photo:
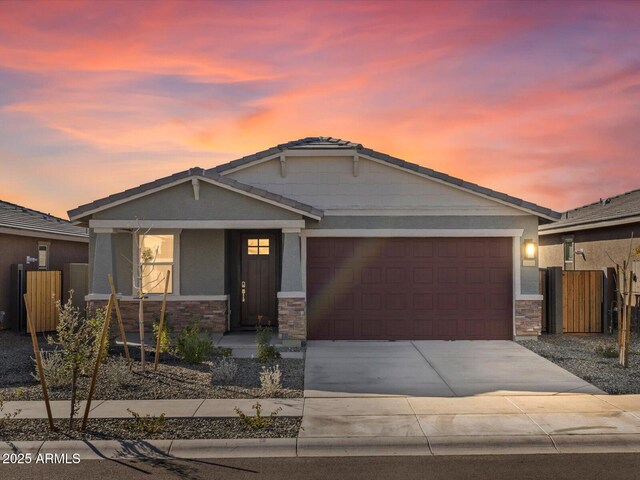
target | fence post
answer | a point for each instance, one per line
(554, 291)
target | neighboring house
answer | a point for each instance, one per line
(39, 241)
(324, 239)
(593, 236)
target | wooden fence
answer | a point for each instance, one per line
(582, 301)
(43, 291)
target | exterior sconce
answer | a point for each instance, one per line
(530, 250)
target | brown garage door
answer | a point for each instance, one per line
(409, 288)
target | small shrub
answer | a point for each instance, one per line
(5, 416)
(57, 373)
(149, 424)
(257, 421)
(267, 352)
(116, 371)
(224, 370)
(270, 381)
(224, 351)
(165, 336)
(607, 352)
(263, 334)
(192, 346)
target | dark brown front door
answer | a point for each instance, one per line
(258, 279)
(409, 288)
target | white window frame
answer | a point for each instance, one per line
(175, 274)
(565, 241)
(47, 249)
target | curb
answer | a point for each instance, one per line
(331, 446)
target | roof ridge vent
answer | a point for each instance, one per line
(605, 201)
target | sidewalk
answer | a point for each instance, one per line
(384, 426)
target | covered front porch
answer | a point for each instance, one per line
(224, 275)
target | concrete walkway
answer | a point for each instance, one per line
(382, 426)
(433, 369)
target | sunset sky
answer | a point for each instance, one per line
(540, 100)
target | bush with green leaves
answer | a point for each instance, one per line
(165, 336)
(257, 421)
(263, 334)
(148, 424)
(270, 381)
(223, 371)
(56, 370)
(267, 352)
(607, 352)
(193, 346)
(96, 322)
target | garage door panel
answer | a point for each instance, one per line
(410, 288)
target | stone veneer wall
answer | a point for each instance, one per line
(528, 317)
(210, 315)
(292, 318)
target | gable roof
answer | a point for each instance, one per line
(623, 208)
(21, 218)
(196, 172)
(330, 143)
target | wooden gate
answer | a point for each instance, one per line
(582, 301)
(43, 291)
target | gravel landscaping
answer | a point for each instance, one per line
(174, 378)
(578, 354)
(125, 429)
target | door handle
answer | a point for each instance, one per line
(243, 291)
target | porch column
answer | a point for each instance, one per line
(292, 318)
(103, 262)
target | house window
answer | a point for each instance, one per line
(43, 256)
(258, 246)
(157, 258)
(568, 251)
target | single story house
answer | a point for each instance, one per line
(37, 240)
(593, 236)
(323, 239)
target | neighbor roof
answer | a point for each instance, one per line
(194, 172)
(331, 143)
(624, 208)
(16, 217)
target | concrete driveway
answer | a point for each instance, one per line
(432, 369)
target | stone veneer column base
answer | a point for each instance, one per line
(209, 315)
(292, 318)
(528, 318)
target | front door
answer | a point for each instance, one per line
(258, 279)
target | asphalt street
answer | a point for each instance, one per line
(495, 467)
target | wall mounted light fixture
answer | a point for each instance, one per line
(530, 250)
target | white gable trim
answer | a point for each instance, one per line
(75, 218)
(587, 226)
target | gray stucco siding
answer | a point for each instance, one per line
(528, 223)
(123, 251)
(202, 262)
(179, 203)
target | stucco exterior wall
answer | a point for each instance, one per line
(598, 245)
(202, 262)
(179, 203)
(15, 248)
(328, 182)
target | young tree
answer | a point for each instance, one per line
(145, 279)
(77, 339)
(625, 279)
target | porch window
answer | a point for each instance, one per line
(157, 258)
(258, 246)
